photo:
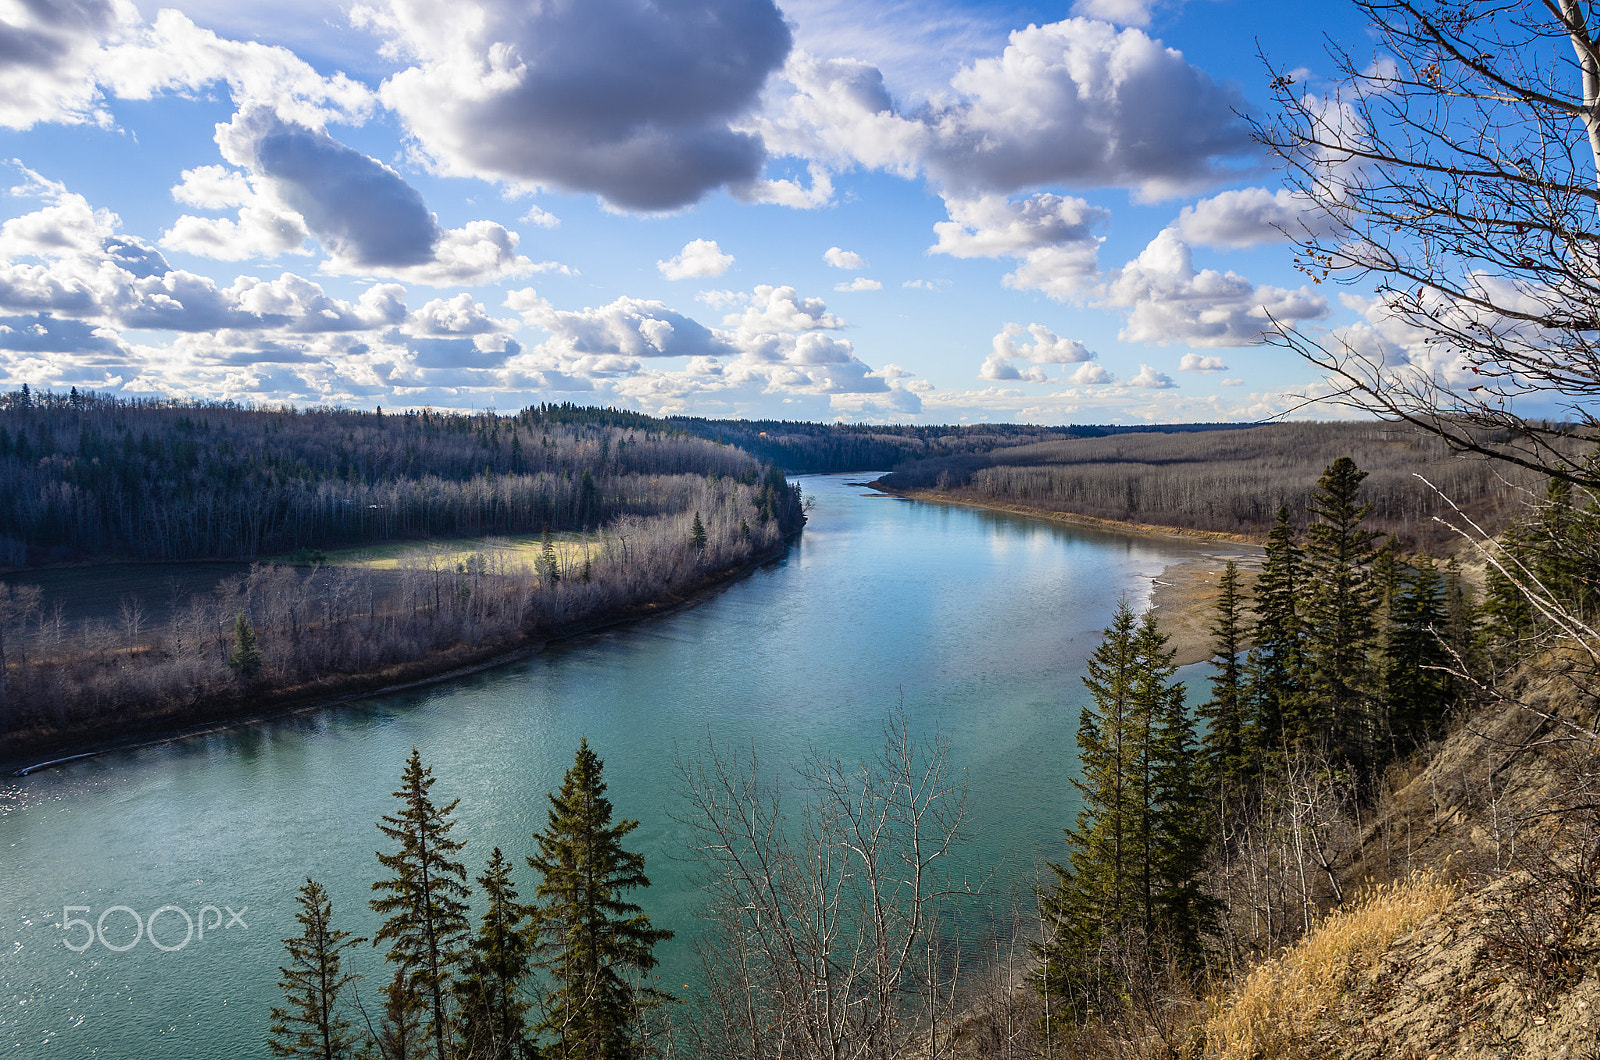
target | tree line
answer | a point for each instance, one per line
(1232, 481)
(98, 477)
(314, 630)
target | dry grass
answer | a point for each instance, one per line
(1276, 1010)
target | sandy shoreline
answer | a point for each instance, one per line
(1184, 593)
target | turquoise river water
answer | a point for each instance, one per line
(981, 622)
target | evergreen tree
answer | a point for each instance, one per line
(1223, 748)
(401, 1034)
(494, 1013)
(1095, 899)
(1552, 543)
(424, 900)
(1509, 617)
(1275, 664)
(1417, 690)
(548, 565)
(1185, 914)
(1339, 627)
(697, 534)
(593, 944)
(246, 655)
(1132, 880)
(313, 1022)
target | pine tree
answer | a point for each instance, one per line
(593, 944)
(425, 898)
(246, 655)
(1223, 748)
(494, 1013)
(1339, 629)
(1275, 664)
(313, 1023)
(697, 534)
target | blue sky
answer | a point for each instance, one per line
(817, 209)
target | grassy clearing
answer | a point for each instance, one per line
(503, 552)
(1277, 1009)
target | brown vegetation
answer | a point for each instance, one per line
(1230, 481)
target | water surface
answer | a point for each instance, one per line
(978, 622)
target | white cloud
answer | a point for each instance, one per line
(1249, 217)
(1233, 382)
(992, 226)
(1044, 347)
(537, 215)
(1149, 378)
(1167, 300)
(1193, 362)
(844, 259)
(698, 258)
(860, 283)
(1076, 103)
(926, 285)
(1122, 12)
(630, 101)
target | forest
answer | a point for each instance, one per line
(1233, 481)
(648, 515)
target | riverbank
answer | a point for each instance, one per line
(25, 753)
(1183, 594)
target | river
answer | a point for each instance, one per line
(978, 622)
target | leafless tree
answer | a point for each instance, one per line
(827, 935)
(1456, 173)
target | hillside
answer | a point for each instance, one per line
(1229, 481)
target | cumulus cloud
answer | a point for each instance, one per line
(844, 259)
(1150, 379)
(630, 101)
(860, 283)
(299, 182)
(1193, 362)
(1052, 234)
(993, 226)
(1077, 102)
(1167, 300)
(1249, 217)
(1122, 12)
(698, 258)
(59, 61)
(1042, 347)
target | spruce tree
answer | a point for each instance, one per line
(1181, 812)
(1339, 627)
(424, 900)
(400, 1034)
(1509, 618)
(1275, 664)
(1223, 747)
(697, 534)
(313, 1022)
(494, 1012)
(245, 658)
(1417, 689)
(594, 945)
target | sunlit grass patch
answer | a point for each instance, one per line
(504, 553)
(1274, 1012)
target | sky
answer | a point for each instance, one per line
(929, 212)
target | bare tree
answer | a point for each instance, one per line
(826, 938)
(1457, 173)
